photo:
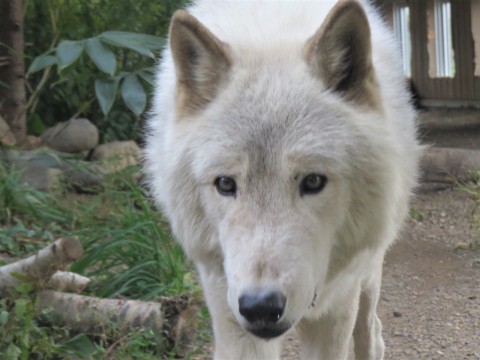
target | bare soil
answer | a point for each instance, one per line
(430, 303)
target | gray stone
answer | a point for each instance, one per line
(6, 135)
(45, 169)
(85, 176)
(41, 178)
(117, 155)
(73, 136)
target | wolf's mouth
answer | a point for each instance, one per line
(268, 332)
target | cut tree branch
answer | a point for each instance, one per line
(41, 266)
(68, 281)
(171, 319)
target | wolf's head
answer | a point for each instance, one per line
(275, 162)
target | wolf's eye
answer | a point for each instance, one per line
(312, 184)
(226, 186)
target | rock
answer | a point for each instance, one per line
(6, 135)
(44, 169)
(73, 136)
(117, 155)
(84, 176)
(42, 178)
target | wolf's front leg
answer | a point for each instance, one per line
(367, 335)
(328, 337)
(232, 342)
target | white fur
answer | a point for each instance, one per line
(270, 125)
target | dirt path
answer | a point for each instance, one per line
(430, 304)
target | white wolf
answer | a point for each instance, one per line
(282, 148)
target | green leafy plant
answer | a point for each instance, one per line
(99, 51)
(59, 93)
(129, 251)
(23, 338)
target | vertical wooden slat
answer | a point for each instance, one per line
(469, 68)
(464, 86)
(419, 49)
(459, 49)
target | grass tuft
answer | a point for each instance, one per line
(128, 253)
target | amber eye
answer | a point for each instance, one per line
(226, 186)
(312, 184)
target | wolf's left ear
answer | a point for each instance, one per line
(201, 61)
(340, 53)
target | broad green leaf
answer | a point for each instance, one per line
(13, 352)
(80, 345)
(103, 57)
(20, 308)
(141, 43)
(3, 318)
(147, 76)
(41, 62)
(135, 47)
(68, 52)
(133, 94)
(106, 91)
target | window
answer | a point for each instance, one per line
(401, 26)
(475, 11)
(440, 49)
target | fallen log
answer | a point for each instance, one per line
(173, 320)
(68, 282)
(41, 266)
(449, 165)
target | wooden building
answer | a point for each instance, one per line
(440, 42)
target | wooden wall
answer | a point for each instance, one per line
(465, 86)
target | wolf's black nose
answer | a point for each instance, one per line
(264, 307)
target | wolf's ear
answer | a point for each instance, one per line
(340, 53)
(201, 61)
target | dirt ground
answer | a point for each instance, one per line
(430, 303)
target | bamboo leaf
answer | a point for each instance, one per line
(142, 43)
(147, 76)
(133, 94)
(103, 57)
(41, 62)
(106, 91)
(68, 52)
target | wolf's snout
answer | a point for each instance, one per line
(262, 307)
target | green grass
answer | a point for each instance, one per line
(128, 253)
(473, 189)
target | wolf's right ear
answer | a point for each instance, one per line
(340, 53)
(202, 61)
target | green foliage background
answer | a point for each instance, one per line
(71, 91)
